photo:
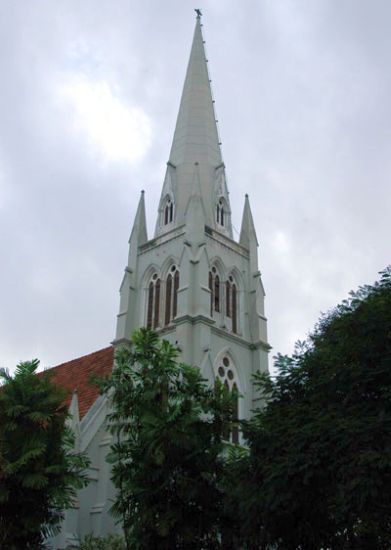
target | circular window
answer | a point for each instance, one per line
(221, 372)
(230, 375)
(173, 268)
(213, 270)
(154, 277)
(226, 362)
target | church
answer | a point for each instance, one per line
(192, 282)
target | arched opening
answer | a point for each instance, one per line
(215, 291)
(226, 373)
(228, 299)
(153, 302)
(171, 299)
(220, 213)
(175, 301)
(234, 309)
(235, 416)
(167, 317)
(168, 214)
(156, 304)
(231, 303)
(211, 292)
(150, 304)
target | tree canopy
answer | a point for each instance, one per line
(318, 471)
(167, 457)
(39, 472)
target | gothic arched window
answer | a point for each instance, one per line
(220, 212)
(151, 289)
(171, 300)
(210, 284)
(231, 302)
(175, 299)
(235, 415)
(216, 292)
(226, 374)
(153, 302)
(228, 299)
(234, 309)
(168, 211)
(214, 287)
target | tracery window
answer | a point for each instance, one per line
(171, 301)
(231, 302)
(153, 302)
(168, 211)
(226, 374)
(214, 287)
(220, 212)
(234, 309)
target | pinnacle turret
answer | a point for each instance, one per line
(248, 234)
(139, 229)
(139, 234)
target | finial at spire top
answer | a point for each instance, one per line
(198, 12)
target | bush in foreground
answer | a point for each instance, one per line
(39, 472)
(318, 471)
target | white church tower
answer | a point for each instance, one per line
(192, 282)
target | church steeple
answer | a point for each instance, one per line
(195, 142)
(193, 283)
(196, 137)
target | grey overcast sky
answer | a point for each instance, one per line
(88, 101)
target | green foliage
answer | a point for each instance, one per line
(39, 472)
(167, 459)
(109, 542)
(318, 472)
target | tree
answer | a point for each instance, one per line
(39, 473)
(318, 471)
(167, 457)
(107, 542)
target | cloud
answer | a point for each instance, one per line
(112, 128)
(90, 92)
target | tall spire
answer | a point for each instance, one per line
(196, 138)
(196, 142)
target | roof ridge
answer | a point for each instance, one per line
(78, 358)
(76, 375)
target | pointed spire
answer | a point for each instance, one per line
(196, 140)
(139, 231)
(248, 234)
(196, 137)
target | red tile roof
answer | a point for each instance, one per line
(75, 375)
